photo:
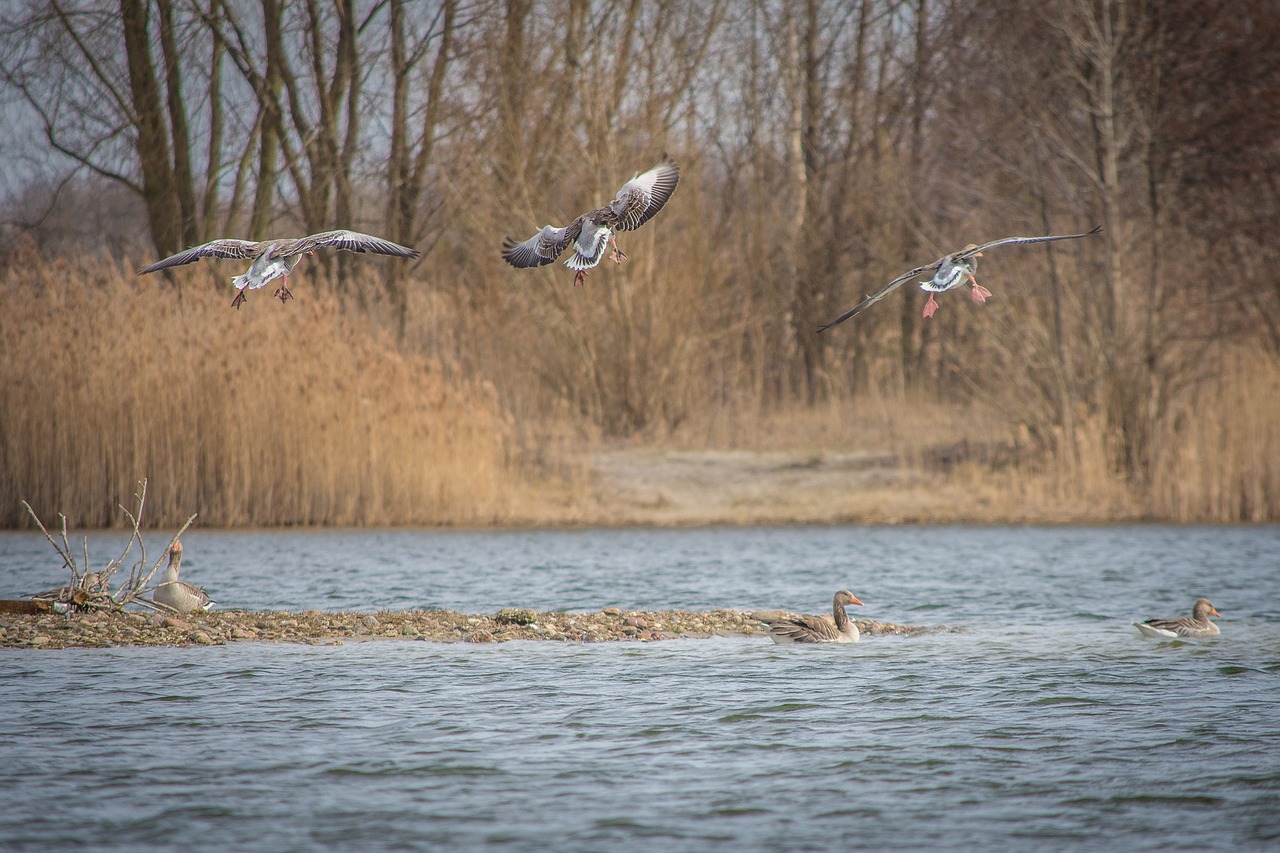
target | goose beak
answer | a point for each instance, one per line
(853, 600)
(1214, 611)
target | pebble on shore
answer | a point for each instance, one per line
(103, 630)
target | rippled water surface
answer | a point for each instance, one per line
(1047, 723)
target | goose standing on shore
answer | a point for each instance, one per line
(181, 596)
(949, 272)
(1195, 625)
(274, 259)
(636, 203)
(818, 629)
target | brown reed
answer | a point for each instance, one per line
(272, 415)
(1221, 448)
(309, 414)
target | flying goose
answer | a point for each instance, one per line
(818, 629)
(181, 596)
(636, 203)
(950, 271)
(1195, 625)
(274, 259)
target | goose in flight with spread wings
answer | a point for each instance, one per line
(1195, 625)
(949, 272)
(274, 259)
(636, 203)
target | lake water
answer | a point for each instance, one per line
(1048, 723)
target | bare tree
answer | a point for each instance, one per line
(106, 79)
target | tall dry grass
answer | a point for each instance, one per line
(308, 414)
(1220, 450)
(272, 415)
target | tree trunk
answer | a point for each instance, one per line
(152, 145)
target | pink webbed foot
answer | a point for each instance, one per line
(579, 278)
(238, 301)
(617, 255)
(979, 293)
(283, 292)
(930, 307)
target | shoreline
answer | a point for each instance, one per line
(101, 629)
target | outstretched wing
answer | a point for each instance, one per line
(643, 196)
(346, 241)
(1017, 241)
(543, 247)
(882, 293)
(215, 249)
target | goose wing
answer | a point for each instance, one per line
(1147, 629)
(1018, 241)
(882, 293)
(804, 629)
(182, 596)
(643, 196)
(1178, 626)
(345, 241)
(543, 247)
(215, 249)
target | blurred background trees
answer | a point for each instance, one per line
(825, 146)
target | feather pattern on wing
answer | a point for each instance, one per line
(344, 241)
(543, 247)
(227, 248)
(643, 196)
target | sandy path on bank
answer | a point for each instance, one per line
(677, 487)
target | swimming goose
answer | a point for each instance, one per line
(818, 629)
(951, 271)
(274, 259)
(1195, 625)
(181, 596)
(636, 203)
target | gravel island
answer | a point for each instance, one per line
(103, 629)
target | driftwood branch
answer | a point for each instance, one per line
(67, 559)
(90, 590)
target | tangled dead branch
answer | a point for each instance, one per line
(91, 590)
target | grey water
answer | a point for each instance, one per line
(1045, 723)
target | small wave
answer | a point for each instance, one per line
(1065, 700)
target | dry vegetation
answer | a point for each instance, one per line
(300, 415)
(825, 147)
(258, 418)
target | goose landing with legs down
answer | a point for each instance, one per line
(636, 203)
(274, 259)
(949, 272)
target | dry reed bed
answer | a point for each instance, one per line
(307, 414)
(272, 415)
